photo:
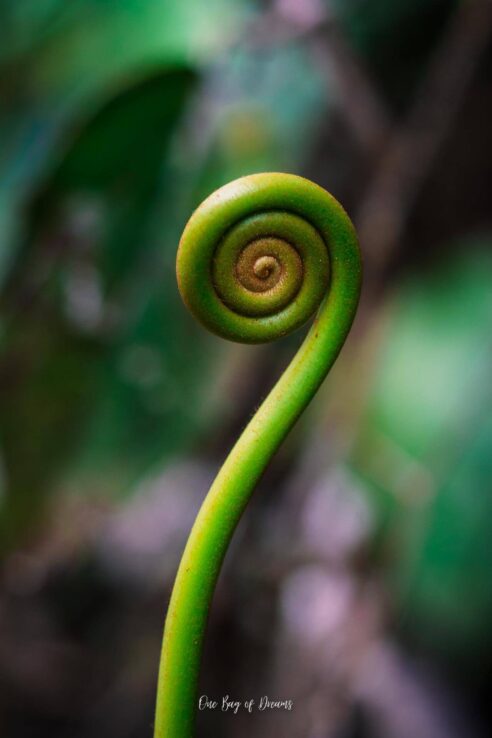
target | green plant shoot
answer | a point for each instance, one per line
(255, 262)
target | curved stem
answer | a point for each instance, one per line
(220, 512)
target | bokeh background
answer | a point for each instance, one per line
(359, 583)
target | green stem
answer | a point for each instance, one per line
(271, 195)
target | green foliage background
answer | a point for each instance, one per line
(116, 119)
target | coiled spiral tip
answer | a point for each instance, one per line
(253, 262)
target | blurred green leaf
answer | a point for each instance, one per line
(425, 450)
(61, 62)
(115, 173)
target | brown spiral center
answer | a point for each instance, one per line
(259, 267)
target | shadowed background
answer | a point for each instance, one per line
(359, 582)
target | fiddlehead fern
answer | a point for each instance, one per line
(255, 261)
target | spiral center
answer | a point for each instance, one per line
(261, 265)
(265, 266)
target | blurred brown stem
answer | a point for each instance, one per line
(412, 149)
(364, 109)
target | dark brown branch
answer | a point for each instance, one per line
(362, 106)
(413, 148)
